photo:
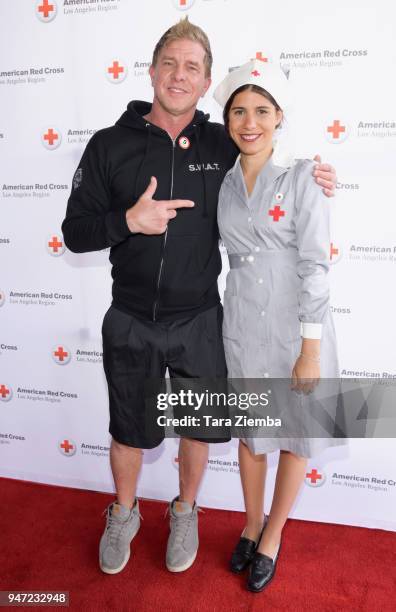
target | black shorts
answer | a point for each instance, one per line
(135, 350)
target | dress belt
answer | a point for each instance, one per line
(238, 260)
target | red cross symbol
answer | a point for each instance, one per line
(46, 8)
(276, 213)
(55, 244)
(336, 129)
(314, 476)
(66, 446)
(255, 73)
(183, 2)
(51, 136)
(259, 56)
(60, 353)
(333, 251)
(115, 70)
(4, 391)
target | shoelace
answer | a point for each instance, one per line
(115, 526)
(114, 529)
(180, 525)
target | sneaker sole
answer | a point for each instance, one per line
(108, 570)
(184, 567)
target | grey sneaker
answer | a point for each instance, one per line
(122, 525)
(183, 538)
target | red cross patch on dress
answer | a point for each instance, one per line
(276, 213)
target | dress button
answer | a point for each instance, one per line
(250, 258)
(249, 219)
(262, 313)
(257, 249)
(242, 259)
(260, 281)
(266, 375)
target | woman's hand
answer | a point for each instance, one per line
(305, 374)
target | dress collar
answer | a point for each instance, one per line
(268, 174)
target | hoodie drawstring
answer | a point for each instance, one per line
(205, 211)
(138, 173)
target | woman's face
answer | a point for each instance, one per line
(252, 122)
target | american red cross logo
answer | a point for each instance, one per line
(46, 8)
(255, 73)
(51, 137)
(276, 213)
(115, 70)
(4, 392)
(67, 447)
(260, 57)
(333, 251)
(55, 244)
(314, 476)
(61, 354)
(336, 129)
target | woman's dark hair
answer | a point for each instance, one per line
(247, 87)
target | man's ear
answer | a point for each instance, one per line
(151, 73)
(208, 83)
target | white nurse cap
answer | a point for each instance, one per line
(256, 72)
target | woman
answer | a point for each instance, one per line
(274, 222)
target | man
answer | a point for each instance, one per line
(166, 310)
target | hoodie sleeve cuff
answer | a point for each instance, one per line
(312, 331)
(116, 226)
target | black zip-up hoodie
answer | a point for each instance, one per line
(155, 277)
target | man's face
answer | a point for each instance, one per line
(179, 77)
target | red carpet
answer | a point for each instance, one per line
(49, 540)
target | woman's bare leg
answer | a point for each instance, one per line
(289, 477)
(253, 469)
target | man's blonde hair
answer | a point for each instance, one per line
(185, 29)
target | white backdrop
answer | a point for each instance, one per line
(55, 91)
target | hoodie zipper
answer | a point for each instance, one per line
(155, 306)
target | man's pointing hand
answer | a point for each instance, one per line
(150, 216)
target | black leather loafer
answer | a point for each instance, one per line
(242, 555)
(262, 570)
(244, 552)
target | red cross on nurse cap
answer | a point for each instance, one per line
(266, 75)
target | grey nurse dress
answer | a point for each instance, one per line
(278, 242)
